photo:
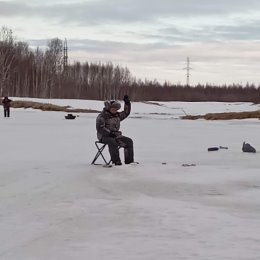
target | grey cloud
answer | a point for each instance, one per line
(114, 11)
(103, 46)
(118, 12)
(206, 33)
(8, 9)
(106, 47)
(241, 32)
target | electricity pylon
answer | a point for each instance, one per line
(188, 68)
(65, 56)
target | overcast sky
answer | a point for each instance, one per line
(153, 38)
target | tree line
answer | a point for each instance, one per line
(27, 72)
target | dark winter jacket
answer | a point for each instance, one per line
(108, 124)
(6, 102)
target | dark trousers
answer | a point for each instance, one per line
(7, 112)
(115, 143)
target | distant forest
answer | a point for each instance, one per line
(44, 74)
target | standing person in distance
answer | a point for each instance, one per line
(6, 104)
(108, 126)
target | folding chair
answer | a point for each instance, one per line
(100, 147)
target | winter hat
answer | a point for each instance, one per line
(112, 104)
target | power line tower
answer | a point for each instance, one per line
(65, 56)
(188, 68)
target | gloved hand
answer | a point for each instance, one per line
(126, 99)
(112, 134)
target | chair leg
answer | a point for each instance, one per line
(100, 150)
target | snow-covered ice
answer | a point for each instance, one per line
(54, 205)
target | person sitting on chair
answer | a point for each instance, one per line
(108, 125)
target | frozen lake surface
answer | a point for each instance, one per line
(55, 205)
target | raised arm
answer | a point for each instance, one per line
(127, 108)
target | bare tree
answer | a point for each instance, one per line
(53, 65)
(7, 56)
